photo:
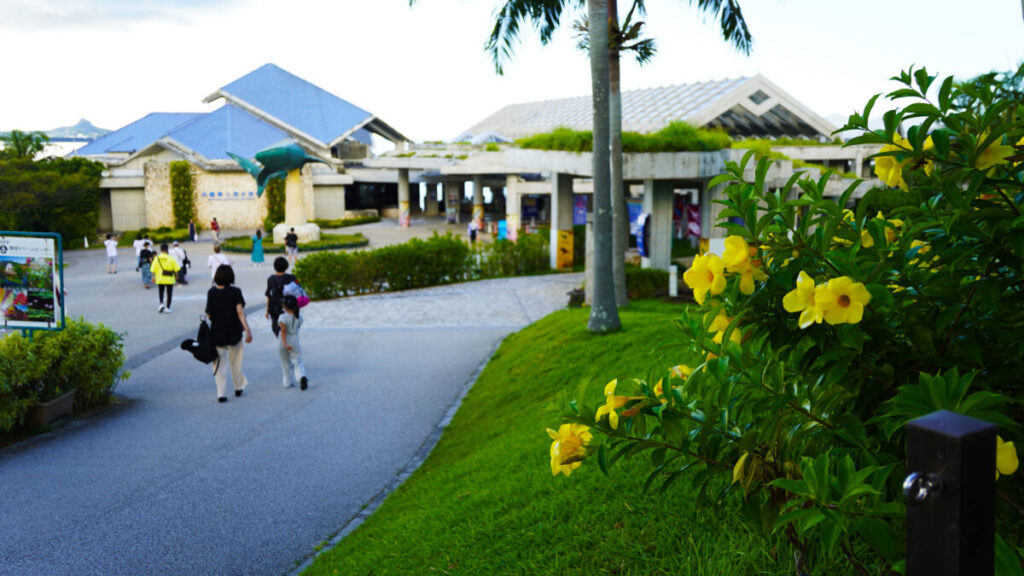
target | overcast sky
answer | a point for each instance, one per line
(424, 71)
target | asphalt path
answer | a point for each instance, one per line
(172, 482)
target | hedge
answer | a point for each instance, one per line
(243, 244)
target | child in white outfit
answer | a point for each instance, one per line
(288, 347)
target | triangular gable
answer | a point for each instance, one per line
(301, 108)
(137, 135)
(759, 108)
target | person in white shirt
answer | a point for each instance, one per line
(111, 244)
(178, 253)
(139, 242)
(216, 260)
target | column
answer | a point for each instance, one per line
(430, 202)
(453, 196)
(478, 201)
(561, 220)
(512, 208)
(403, 197)
(658, 204)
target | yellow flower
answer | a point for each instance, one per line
(681, 371)
(996, 153)
(719, 326)
(889, 168)
(707, 274)
(801, 299)
(1006, 458)
(612, 403)
(890, 232)
(842, 300)
(737, 257)
(568, 447)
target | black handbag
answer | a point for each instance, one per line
(202, 347)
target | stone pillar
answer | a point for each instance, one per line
(512, 206)
(295, 212)
(453, 196)
(588, 258)
(561, 220)
(478, 201)
(403, 197)
(658, 204)
(430, 202)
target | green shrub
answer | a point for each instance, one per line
(182, 193)
(83, 356)
(676, 137)
(159, 236)
(51, 195)
(243, 244)
(646, 282)
(528, 255)
(275, 203)
(343, 222)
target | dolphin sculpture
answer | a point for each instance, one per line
(276, 161)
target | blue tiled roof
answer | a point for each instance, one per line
(296, 102)
(227, 129)
(138, 134)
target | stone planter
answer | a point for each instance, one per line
(44, 413)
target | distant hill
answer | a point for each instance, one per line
(83, 131)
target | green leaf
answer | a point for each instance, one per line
(1007, 560)
(879, 536)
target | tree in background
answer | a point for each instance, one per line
(20, 144)
(182, 193)
(275, 203)
(50, 195)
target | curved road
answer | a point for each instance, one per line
(172, 482)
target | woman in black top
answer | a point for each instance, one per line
(225, 307)
(275, 292)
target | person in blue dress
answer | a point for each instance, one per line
(257, 249)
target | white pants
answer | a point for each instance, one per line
(229, 356)
(291, 360)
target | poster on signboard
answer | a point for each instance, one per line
(29, 282)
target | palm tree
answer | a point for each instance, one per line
(20, 144)
(604, 315)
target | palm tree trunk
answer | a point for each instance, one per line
(604, 315)
(620, 212)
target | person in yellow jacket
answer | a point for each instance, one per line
(165, 269)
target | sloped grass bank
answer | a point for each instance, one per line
(485, 502)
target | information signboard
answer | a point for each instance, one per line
(31, 281)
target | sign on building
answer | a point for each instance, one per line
(31, 281)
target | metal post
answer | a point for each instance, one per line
(950, 494)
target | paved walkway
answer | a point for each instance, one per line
(171, 482)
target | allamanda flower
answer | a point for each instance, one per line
(568, 447)
(612, 403)
(995, 153)
(890, 232)
(1006, 458)
(707, 274)
(801, 299)
(738, 260)
(841, 300)
(719, 326)
(890, 168)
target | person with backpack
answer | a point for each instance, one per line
(291, 246)
(225, 307)
(165, 270)
(275, 292)
(288, 347)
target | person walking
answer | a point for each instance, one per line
(288, 347)
(145, 260)
(216, 260)
(225, 307)
(275, 292)
(111, 245)
(165, 269)
(181, 256)
(138, 244)
(291, 246)
(257, 249)
(215, 229)
(192, 232)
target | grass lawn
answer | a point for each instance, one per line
(485, 502)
